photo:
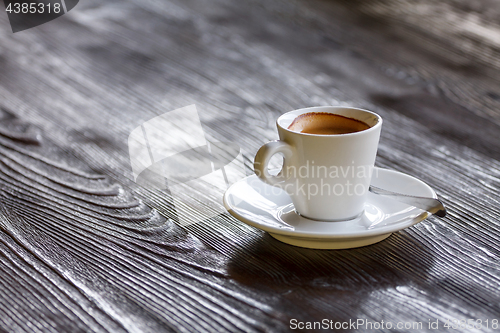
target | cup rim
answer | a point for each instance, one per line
(325, 110)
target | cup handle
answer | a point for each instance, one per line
(263, 157)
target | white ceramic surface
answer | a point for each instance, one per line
(270, 209)
(326, 176)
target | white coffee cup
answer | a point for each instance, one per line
(326, 176)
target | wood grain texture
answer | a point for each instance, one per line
(85, 248)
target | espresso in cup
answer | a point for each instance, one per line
(324, 123)
(326, 175)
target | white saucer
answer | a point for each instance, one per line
(270, 209)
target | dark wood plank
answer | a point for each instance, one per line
(85, 248)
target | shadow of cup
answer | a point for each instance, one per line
(332, 284)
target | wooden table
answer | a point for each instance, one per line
(85, 248)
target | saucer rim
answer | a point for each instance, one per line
(397, 226)
(330, 244)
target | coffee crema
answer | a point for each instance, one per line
(324, 123)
